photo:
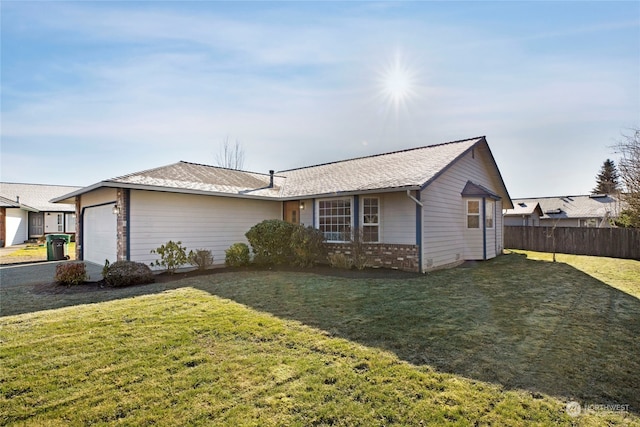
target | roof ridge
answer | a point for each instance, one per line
(556, 197)
(383, 154)
(222, 167)
(43, 185)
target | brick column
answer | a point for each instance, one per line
(122, 200)
(78, 228)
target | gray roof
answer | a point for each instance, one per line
(35, 196)
(475, 190)
(407, 169)
(411, 168)
(197, 177)
(523, 208)
(583, 206)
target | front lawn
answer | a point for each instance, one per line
(33, 253)
(504, 342)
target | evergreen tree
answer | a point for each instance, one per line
(607, 180)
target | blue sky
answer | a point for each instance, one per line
(94, 90)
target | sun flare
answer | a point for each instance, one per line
(397, 83)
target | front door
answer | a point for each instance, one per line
(292, 212)
(36, 224)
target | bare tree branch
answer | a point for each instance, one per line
(230, 156)
(629, 166)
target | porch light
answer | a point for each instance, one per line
(302, 205)
(116, 209)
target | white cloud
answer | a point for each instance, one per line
(170, 83)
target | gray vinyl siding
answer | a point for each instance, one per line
(306, 214)
(199, 222)
(446, 238)
(398, 218)
(98, 197)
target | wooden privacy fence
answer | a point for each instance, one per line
(609, 242)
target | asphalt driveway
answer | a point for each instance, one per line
(41, 272)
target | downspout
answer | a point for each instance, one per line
(418, 202)
(484, 228)
(419, 206)
(127, 198)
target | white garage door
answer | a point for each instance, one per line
(100, 234)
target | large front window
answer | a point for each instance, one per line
(371, 219)
(334, 219)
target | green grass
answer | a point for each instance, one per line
(37, 251)
(623, 274)
(506, 342)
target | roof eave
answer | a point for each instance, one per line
(69, 198)
(415, 187)
(507, 203)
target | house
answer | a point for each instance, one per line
(593, 210)
(523, 214)
(26, 212)
(417, 209)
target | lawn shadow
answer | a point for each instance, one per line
(534, 325)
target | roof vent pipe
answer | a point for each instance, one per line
(271, 179)
(17, 199)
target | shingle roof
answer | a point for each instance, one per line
(523, 208)
(583, 206)
(408, 168)
(476, 190)
(37, 196)
(193, 176)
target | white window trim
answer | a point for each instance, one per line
(493, 213)
(378, 224)
(468, 214)
(317, 215)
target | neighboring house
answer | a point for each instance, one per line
(595, 210)
(417, 209)
(523, 214)
(26, 212)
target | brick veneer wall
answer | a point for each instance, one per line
(382, 255)
(122, 201)
(78, 227)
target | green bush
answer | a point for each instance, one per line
(278, 242)
(270, 241)
(201, 258)
(237, 255)
(172, 256)
(127, 273)
(74, 273)
(307, 245)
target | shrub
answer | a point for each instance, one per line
(105, 269)
(237, 255)
(172, 256)
(73, 273)
(126, 273)
(270, 241)
(307, 245)
(201, 258)
(340, 261)
(359, 256)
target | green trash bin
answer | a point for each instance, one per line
(58, 246)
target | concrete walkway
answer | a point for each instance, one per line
(41, 272)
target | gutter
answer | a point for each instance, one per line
(419, 206)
